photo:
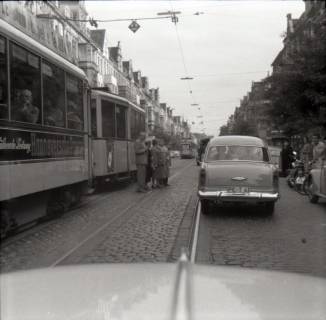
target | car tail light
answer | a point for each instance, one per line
(202, 177)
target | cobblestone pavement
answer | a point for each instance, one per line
(293, 239)
(140, 227)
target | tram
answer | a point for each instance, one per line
(188, 149)
(57, 137)
(115, 125)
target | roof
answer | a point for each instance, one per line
(237, 140)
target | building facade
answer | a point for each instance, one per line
(62, 27)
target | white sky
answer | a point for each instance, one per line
(232, 44)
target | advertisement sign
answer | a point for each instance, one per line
(24, 145)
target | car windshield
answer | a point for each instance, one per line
(246, 153)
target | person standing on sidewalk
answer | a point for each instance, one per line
(306, 153)
(149, 166)
(158, 162)
(167, 164)
(286, 158)
(319, 150)
(141, 162)
(155, 150)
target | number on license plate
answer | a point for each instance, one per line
(239, 190)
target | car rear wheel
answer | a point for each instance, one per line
(205, 206)
(269, 208)
(312, 197)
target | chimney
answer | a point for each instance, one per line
(144, 83)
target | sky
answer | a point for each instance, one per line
(224, 49)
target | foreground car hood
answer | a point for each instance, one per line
(151, 291)
(256, 173)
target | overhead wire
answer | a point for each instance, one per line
(185, 67)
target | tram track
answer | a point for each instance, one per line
(39, 224)
(123, 214)
(195, 232)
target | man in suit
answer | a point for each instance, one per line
(141, 162)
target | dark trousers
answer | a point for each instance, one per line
(141, 176)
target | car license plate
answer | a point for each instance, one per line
(239, 190)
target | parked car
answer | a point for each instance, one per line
(238, 169)
(317, 183)
(175, 154)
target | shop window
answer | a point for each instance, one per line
(3, 80)
(108, 119)
(53, 95)
(75, 112)
(25, 85)
(121, 121)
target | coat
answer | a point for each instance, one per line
(158, 155)
(141, 153)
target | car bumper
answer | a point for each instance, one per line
(243, 197)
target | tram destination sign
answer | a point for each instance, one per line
(25, 145)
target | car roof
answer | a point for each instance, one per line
(238, 141)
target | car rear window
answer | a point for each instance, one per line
(246, 153)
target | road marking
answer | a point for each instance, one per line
(196, 231)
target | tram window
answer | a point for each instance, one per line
(108, 119)
(133, 124)
(53, 95)
(74, 103)
(121, 121)
(93, 118)
(3, 80)
(25, 85)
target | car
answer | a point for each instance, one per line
(175, 154)
(238, 169)
(181, 290)
(316, 187)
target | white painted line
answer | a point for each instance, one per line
(196, 232)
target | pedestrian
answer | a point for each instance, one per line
(286, 158)
(141, 162)
(167, 164)
(149, 166)
(154, 151)
(306, 153)
(319, 150)
(158, 163)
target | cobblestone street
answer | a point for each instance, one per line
(137, 227)
(121, 225)
(293, 239)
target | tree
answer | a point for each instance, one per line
(298, 94)
(243, 127)
(224, 130)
